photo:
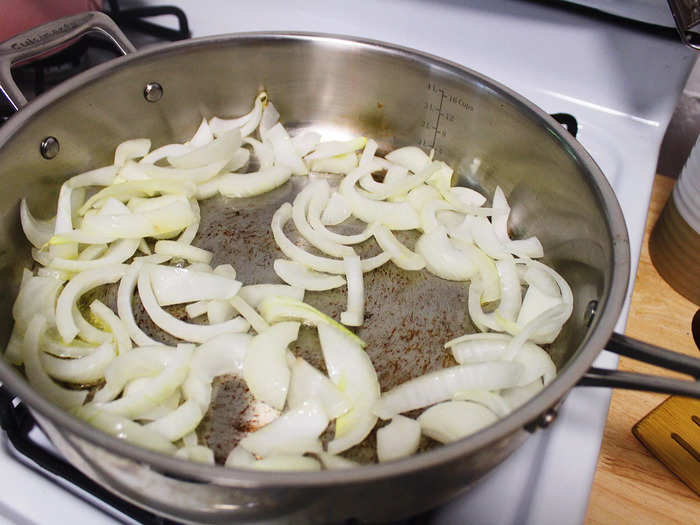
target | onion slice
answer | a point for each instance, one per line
(275, 309)
(296, 274)
(77, 286)
(351, 370)
(265, 367)
(294, 432)
(442, 385)
(454, 420)
(172, 325)
(318, 263)
(308, 383)
(398, 439)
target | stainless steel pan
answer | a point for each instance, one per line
(338, 86)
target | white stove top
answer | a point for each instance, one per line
(621, 84)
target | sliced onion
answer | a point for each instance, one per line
(98, 177)
(263, 151)
(254, 294)
(131, 149)
(534, 304)
(351, 370)
(454, 420)
(249, 314)
(442, 385)
(299, 210)
(420, 196)
(354, 314)
(83, 371)
(194, 310)
(133, 171)
(296, 274)
(164, 151)
(239, 458)
(318, 263)
(275, 309)
(270, 117)
(37, 232)
(51, 344)
(172, 325)
(481, 320)
(396, 215)
(510, 291)
(336, 210)
(251, 184)
(196, 453)
(294, 432)
(247, 122)
(118, 252)
(220, 150)
(530, 247)
(161, 386)
(409, 157)
(87, 331)
(306, 142)
(519, 395)
(124, 308)
(537, 364)
(485, 238)
(283, 149)
(500, 221)
(400, 255)
(171, 218)
(36, 375)
(315, 211)
(140, 188)
(183, 420)
(494, 402)
(465, 198)
(37, 295)
(398, 439)
(490, 279)
(173, 285)
(202, 136)
(479, 348)
(125, 429)
(308, 383)
(265, 367)
(116, 326)
(444, 259)
(333, 148)
(76, 287)
(341, 164)
(219, 311)
(144, 361)
(220, 355)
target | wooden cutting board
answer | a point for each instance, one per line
(672, 433)
(631, 485)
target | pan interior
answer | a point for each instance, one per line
(340, 89)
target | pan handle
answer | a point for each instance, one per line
(49, 36)
(645, 352)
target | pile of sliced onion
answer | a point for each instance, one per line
(131, 224)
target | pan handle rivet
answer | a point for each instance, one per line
(547, 418)
(153, 92)
(49, 148)
(590, 312)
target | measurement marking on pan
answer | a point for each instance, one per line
(446, 110)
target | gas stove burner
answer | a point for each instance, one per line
(18, 424)
(39, 76)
